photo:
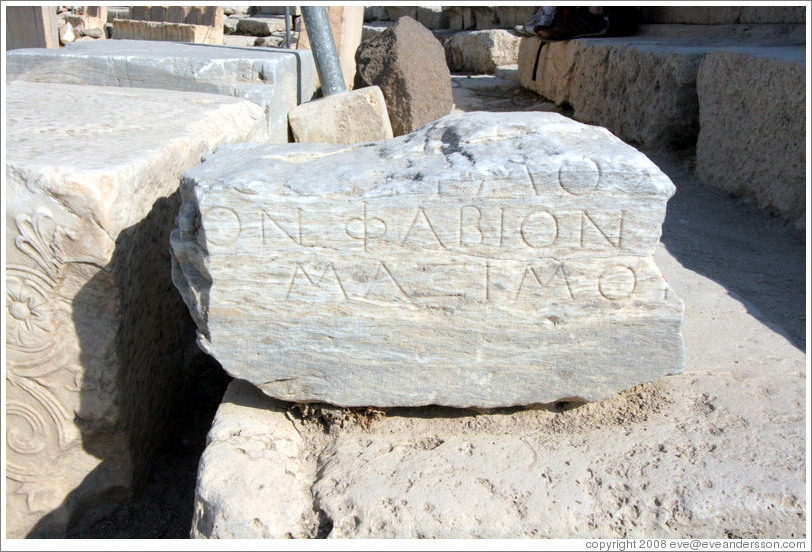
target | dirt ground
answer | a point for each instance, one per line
(758, 260)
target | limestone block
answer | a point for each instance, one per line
(254, 478)
(354, 116)
(482, 51)
(275, 80)
(261, 26)
(95, 332)
(642, 89)
(752, 137)
(408, 64)
(510, 16)
(242, 41)
(276, 10)
(239, 10)
(431, 17)
(230, 25)
(773, 14)
(346, 24)
(131, 29)
(457, 265)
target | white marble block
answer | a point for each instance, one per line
(277, 80)
(95, 331)
(483, 260)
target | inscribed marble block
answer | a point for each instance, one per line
(487, 259)
(95, 330)
(276, 80)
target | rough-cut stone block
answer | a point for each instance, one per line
(132, 29)
(752, 137)
(485, 260)
(510, 16)
(95, 331)
(482, 51)
(408, 64)
(261, 26)
(265, 490)
(276, 80)
(642, 89)
(348, 118)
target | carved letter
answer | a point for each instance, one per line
(560, 269)
(294, 237)
(218, 232)
(476, 226)
(617, 243)
(617, 282)
(539, 229)
(360, 228)
(433, 232)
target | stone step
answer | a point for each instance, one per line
(277, 80)
(646, 89)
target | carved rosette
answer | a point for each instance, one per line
(37, 423)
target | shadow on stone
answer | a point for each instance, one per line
(756, 258)
(138, 359)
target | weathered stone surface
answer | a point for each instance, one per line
(481, 51)
(641, 88)
(132, 29)
(717, 452)
(455, 266)
(408, 64)
(261, 26)
(254, 477)
(95, 331)
(752, 138)
(275, 80)
(348, 118)
(510, 16)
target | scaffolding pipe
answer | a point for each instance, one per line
(287, 26)
(324, 50)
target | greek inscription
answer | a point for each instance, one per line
(531, 275)
(383, 273)
(539, 229)
(220, 224)
(365, 228)
(431, 230)
(295, 236)
(472, 223)
(579, 176)
(316, 287)
(617, 282)
(617, 242)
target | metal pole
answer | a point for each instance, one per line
(287, 26)
(324, 50)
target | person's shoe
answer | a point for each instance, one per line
(541, 19)
(580, 23)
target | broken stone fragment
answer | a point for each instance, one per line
(408, 63)
(485, 260)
